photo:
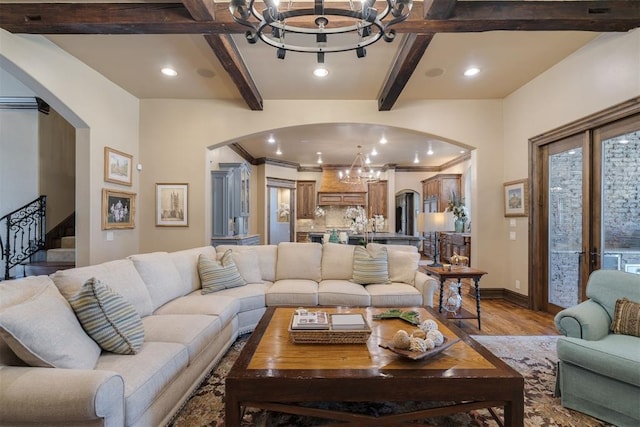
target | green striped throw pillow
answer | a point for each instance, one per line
(108, 318)
(216, 276)
(370, 267)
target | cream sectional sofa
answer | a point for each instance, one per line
(186, 332)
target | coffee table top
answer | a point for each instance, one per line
(270, 353)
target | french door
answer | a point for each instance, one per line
(586, 215)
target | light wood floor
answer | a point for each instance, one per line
(500, 317)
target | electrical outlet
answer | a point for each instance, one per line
(109, 236)
(512, 222)
(512, 235)
(517, 284)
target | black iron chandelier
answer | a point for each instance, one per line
(307, 29)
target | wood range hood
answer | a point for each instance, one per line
(335, 193)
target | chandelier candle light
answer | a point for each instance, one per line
(359, 172)
(279, 25)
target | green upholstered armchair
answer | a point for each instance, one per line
(599, 371)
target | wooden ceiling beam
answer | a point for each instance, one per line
(411, 51)
(201, 10)
(227, 53)
(175, 18)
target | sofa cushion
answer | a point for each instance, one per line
(342, 292)
(606, 286)
(248, 265)
(337, 261)
(121, 275)
(214, 304)
(299, 261)
(250, 297)
(615, 356)
(186, 261)
(626, 319)
(370, 266)
(160, 275)
(267, 257)
(402, 248)
(218, 275)
(38, 324)
(294, 292)
(394, 295)
(403, 266)
(108, 318)
(146, 374)
(194, 331)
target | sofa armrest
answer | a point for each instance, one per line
(57, 396)
(427, 286)
(587, 320)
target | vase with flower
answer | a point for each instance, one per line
(457, 208)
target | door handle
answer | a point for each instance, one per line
(594, 256)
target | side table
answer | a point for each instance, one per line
(458, 273)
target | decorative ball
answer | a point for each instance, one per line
(436, 336)
(429, 344)
(418, 333)
(417, 344)
(428, 325)
(401, 340)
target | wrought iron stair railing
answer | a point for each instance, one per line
(22, 233)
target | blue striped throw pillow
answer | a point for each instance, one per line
(108, 318)
(370, 267)
(216, 276)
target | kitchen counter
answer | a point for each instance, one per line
(384, 238)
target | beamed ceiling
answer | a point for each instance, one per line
(521, 38)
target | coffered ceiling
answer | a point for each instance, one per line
(511, 42)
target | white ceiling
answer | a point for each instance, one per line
(507, 61)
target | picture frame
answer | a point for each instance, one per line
(118, 167)
(632, 268)
(172, 205)
(516, 198)
(118, 209)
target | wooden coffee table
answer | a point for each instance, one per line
(274, 374)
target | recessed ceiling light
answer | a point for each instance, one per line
(430, 152)
(374, 152)
(279, 152)
(367, 161)
(415, 159)
(167, 71)
(472, 71)
(383, 140)
(321, 72)
(462, 151)
(271, 140)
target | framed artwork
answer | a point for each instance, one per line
(118, 209)
(516, 198)
(632, 268)
(118, 167)
(172, 205)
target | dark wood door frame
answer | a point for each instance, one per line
(538, 245)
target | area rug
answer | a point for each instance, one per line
(533, 356)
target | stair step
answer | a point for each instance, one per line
(61, 255)
(46, 268)
(68, 242)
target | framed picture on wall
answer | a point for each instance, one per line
(118, 209)
(516, 198)
(118, 167)
(172, 205)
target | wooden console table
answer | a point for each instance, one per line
(458, 273)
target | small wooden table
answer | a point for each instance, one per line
(458, 273)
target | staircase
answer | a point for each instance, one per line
(55, 259)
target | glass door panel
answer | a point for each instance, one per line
(619, 231)
(565, 219)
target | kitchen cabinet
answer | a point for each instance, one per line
(378, 199)
(305, 199)
(437, 191)
(342, 199)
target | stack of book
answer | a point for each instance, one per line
(310, 320)
(348, 322)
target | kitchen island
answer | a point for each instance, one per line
(378, 237)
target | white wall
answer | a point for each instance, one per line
(103, 115)
(604, 73)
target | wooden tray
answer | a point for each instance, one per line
(417, 355)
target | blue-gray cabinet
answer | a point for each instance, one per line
(231, 192)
